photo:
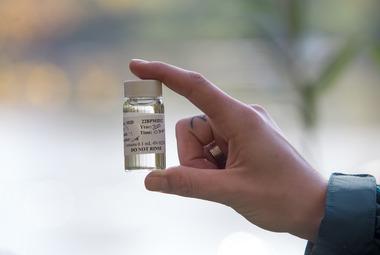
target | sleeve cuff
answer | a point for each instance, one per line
(348, 226)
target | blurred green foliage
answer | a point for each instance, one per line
(284, 26)
(310, 92)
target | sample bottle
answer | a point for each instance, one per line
(144, 125)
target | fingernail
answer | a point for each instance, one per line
(156, 181)
(139, 61)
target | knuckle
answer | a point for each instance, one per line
(254, 116)
(197, 77)
(258, 108)
(264, 115)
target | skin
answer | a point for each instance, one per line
(264, 178)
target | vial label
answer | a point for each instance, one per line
(143, 133)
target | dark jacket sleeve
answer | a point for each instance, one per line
(351, 225)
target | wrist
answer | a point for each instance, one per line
(312, 211)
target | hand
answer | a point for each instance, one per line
(265, 179)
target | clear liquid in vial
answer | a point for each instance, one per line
(144, 161)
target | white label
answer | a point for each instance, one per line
(144, 133)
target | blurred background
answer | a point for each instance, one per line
(315, 65)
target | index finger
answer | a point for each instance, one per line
(217, 105)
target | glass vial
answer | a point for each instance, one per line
(143, 125)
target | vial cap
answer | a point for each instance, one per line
(140, 88)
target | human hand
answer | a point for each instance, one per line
(264, 178)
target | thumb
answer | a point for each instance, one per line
(208, 184)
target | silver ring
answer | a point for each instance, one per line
(216, 153)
